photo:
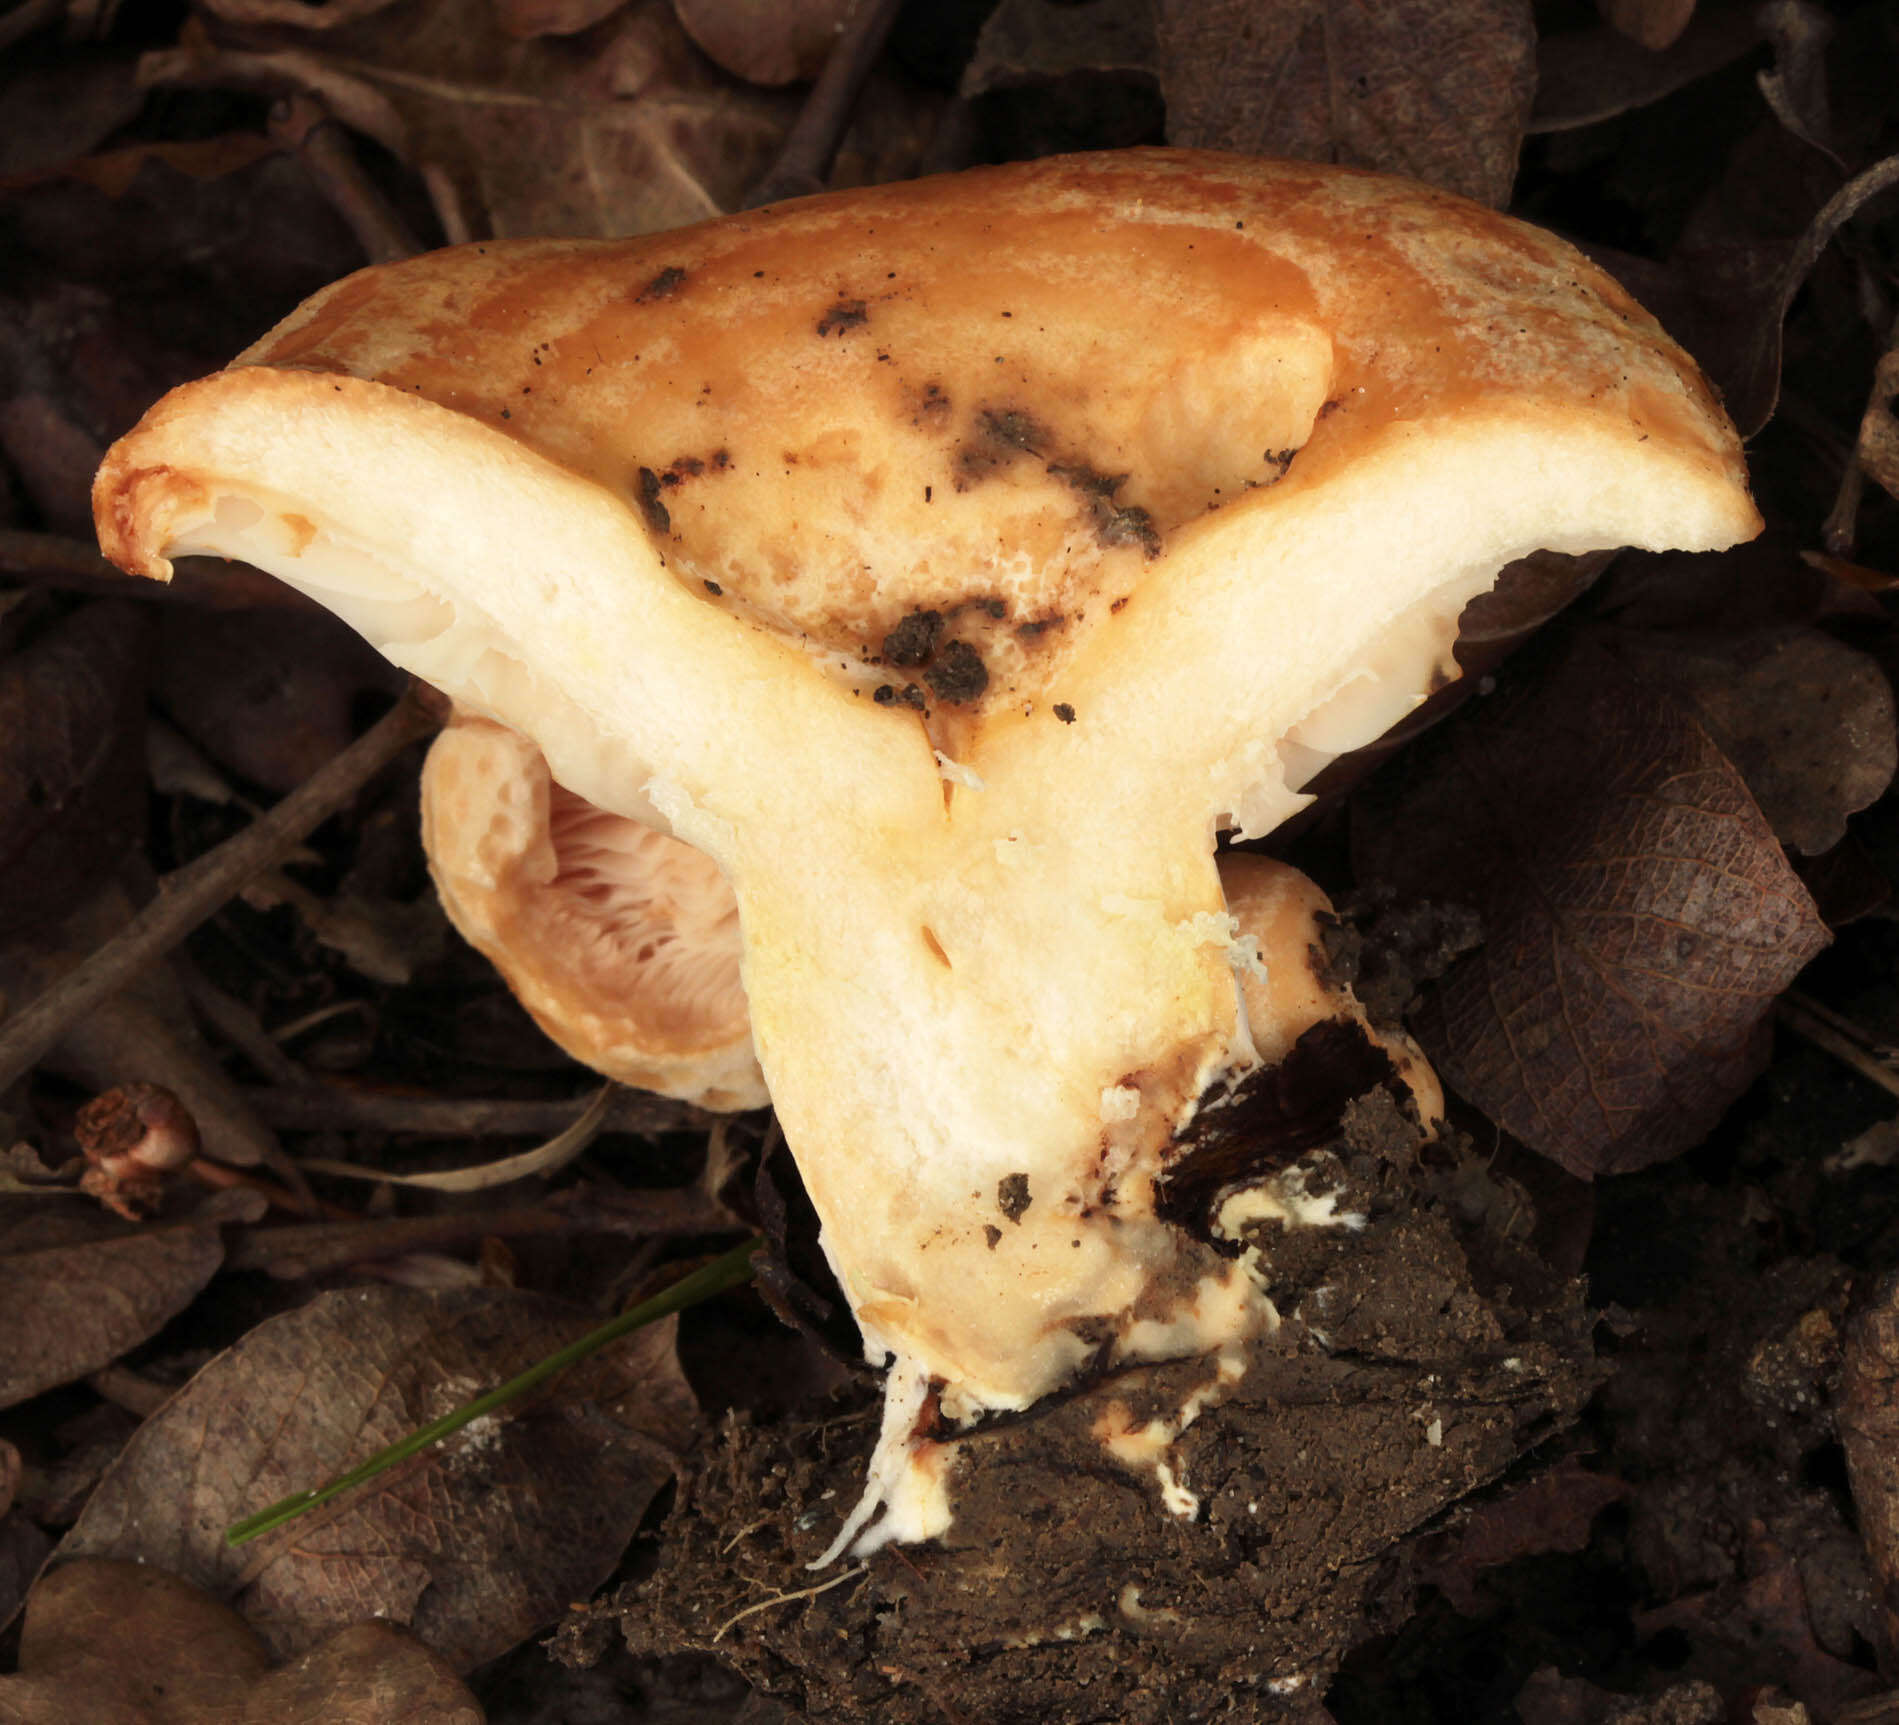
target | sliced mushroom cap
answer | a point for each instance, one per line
(622, 942)
(950, 562)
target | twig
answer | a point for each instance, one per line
(330, 1108)
(738, 1617)
(299, 1249)
(305, 127)
(804, 160)
(544, 1159)
(221, 1176)
(190, 895)
(1849, 1045)
(124, 1388)
(73, 566)
(239, 1026)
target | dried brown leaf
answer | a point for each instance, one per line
(622, 130)
(473, 1544)
(72, 784)
(1437, 89)
(1807, 721)
(61, 108)
(78, 1288)
(524, 18)
(1742, 353)
(115, 171)
(766, 41)
(1552, 1512)
(23, 1548)
(1583, 76)
(1796, 87)
(295, 14)
(125, 1644)
(1639, 915)
(1652, 23)
(1878, 451)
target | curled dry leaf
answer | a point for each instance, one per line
(766, 41)
(1742, 355)
(1652, 23)
(624, 130)
(1639, 915)
(125, 1644)
(1807, 721)
(525, 18)
(1796, 88)
(78, 1288)
(473, 1544)
(1583, 76)
(1436, 89)
(72, 787)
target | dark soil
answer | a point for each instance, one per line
(1417, 1361)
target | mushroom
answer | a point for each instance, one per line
(952, 563)
(621, 941)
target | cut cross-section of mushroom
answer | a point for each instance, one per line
(950, 562)
(622, 942)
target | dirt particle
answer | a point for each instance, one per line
(714, 589)
(1064, 712)
(657, 517)
(889, 695)
(847, 314)
(1113, 523)
(682, 468)
(1012, 1196)
(958, 673)
(663, 286)
(932, 408)
(999, 436)
(913, 640)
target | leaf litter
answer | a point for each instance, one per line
(474, 1544)
(1734, 162)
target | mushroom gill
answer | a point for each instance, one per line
(621, 941)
